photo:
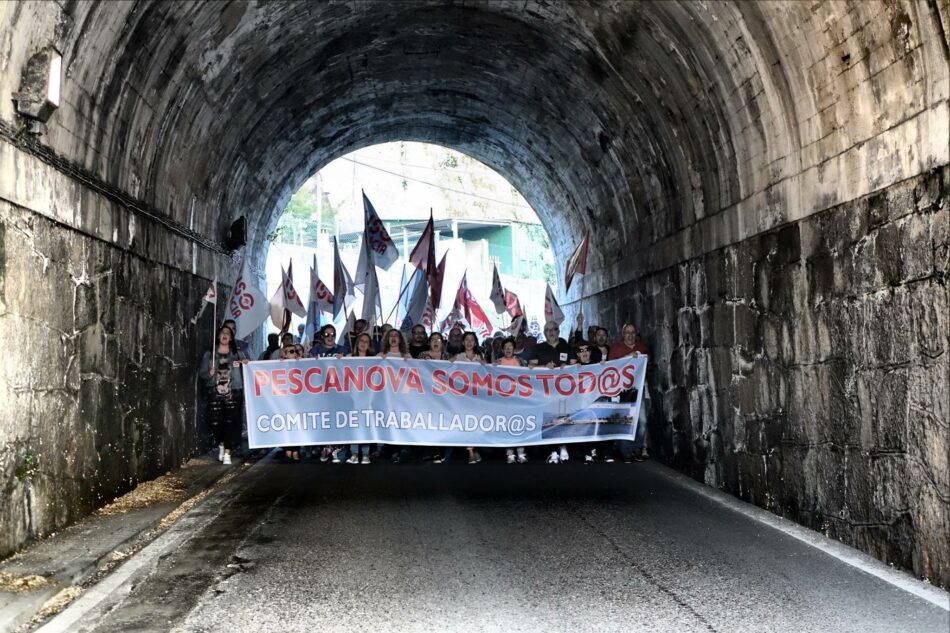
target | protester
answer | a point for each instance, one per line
(221, 370)
(524, 342)
(325, 344)
(417, 342)
(436, 349)
(272, 351)
(470, 354)
(454, 346)
(291, 352)
(508, 359)
(584, 352)
(395, 345)
(600, 342)
(630, 345)
(577, 337)
(553, 352)
(362, 347)
(301, 337)
(242, 346)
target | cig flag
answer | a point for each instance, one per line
(552, 311)
(380, 243)
(248, 306)
(291, 298)
(576, 263)
(423, 253)
(321, 300)
(497, 295)
(417, 302)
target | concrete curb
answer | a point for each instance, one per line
(95, 547)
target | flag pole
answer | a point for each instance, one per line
(398, 299)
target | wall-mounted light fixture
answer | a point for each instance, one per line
(40, 85)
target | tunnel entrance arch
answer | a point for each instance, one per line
(765, 184)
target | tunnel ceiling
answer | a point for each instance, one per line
(634, 119)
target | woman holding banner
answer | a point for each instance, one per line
(507, 358)
(436, 349)
(394, 344)
(470, 354)
(362, 348)
(221, 370)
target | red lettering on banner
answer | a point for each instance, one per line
(312, 387)
(526, 389)
(629, 374)
(278, 378)
(505, 390)
(414, 381)
(261, 379)
(438, 383)
(586, 387)
(293, 377)
(458, 391)
(571, 384)
(376, 373)
(546, 383)
(332, 381)
(481, 381)
(352, 378)
(395, 379)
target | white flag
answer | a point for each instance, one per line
(497, 295)
(212, 295)
(418, 300)
(248, 306)
(372, 302)
(552, 311)
(292, 299)
(382, 246)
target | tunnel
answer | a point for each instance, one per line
(765, 185)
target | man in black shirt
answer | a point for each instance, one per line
(418, 341)
(553, 351)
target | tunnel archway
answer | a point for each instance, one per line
(733, 162)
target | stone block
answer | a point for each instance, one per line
(888, 257)
(722, 325)
(883, 407)
(888, 331)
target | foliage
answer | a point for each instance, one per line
(300, 220)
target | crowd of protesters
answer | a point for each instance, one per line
(221, 373)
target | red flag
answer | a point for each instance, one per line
(473, 313)
(435, 283)
(497, 296)
(423, 254)
(513, 305)
(576, 263)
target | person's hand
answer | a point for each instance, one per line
(382, 355)
(580, 319)
(550, 365)
(338, 356)
(211, 372)
(406, 356)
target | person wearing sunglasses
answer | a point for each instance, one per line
(325, 344)
(290, 352)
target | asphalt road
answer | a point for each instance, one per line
(497, 547)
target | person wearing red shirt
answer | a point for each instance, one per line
(630, 345)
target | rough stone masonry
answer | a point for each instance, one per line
(765, 183)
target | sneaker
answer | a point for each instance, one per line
(589, 459)
(593, 453)
(438, 460)
(564, 456)
(220, 452)
(353, 460)
(337, 456)
(325, 454)
(609, 460)
(522, 458)
(511, 458)
(365, 459)
(226, 459)
(474, 458)
(553, 458)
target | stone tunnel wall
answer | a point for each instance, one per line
(807, 370)
(97, 381)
